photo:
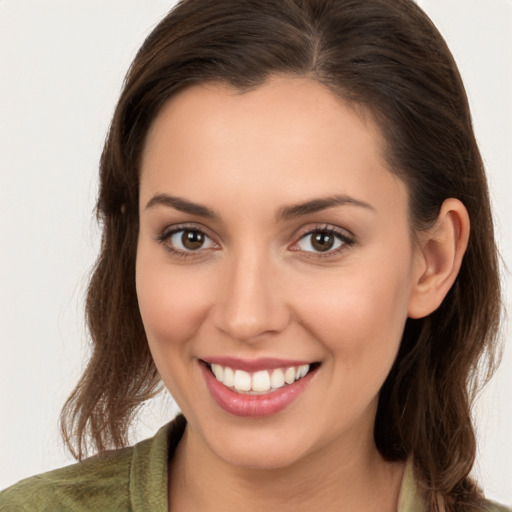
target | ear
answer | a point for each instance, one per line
(439, 257)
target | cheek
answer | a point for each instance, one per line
(358, 316)
(172, 304)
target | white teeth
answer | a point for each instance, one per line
(218, 371)
(242, 381)
(261, 381)
(289, 375)
(277, 379)
(229, 377)
(302, 371)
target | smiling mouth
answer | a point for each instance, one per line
(260, 382)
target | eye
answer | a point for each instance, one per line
(187, 240)
(323, 241)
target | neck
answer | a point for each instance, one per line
(349, 476)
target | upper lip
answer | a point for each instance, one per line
(254, 365)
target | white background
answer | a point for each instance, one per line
(61, 67)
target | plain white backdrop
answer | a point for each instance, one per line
(61, 68)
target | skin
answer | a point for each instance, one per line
(257, 288)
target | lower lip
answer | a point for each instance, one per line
(240, 404)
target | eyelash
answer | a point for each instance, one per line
(341, 236)
(166, 235)
(345, 239)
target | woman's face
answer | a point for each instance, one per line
(273, 241)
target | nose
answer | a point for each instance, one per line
(250, 302)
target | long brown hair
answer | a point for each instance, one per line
(386, 56)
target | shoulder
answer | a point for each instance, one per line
(130, 479)
(88, 485)
(491, 506)
(411, 499)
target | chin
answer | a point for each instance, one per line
(262, 444)
(259, 456)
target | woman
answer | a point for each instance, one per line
(298, 242)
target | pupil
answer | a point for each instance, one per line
(192, 240)
(323, 241)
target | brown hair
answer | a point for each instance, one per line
(388, 57)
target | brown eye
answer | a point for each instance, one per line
(189, 240)
(322, 241)
(192, 240)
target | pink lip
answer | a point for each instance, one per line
(253, 406)
(254, 365)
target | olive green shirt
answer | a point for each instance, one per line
(131, 480)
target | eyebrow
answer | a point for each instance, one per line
(182, 205)
(283, 214)
(316, 205)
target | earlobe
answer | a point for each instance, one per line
(440, 252)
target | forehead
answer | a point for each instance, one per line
(274, 105)
(287, 139)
